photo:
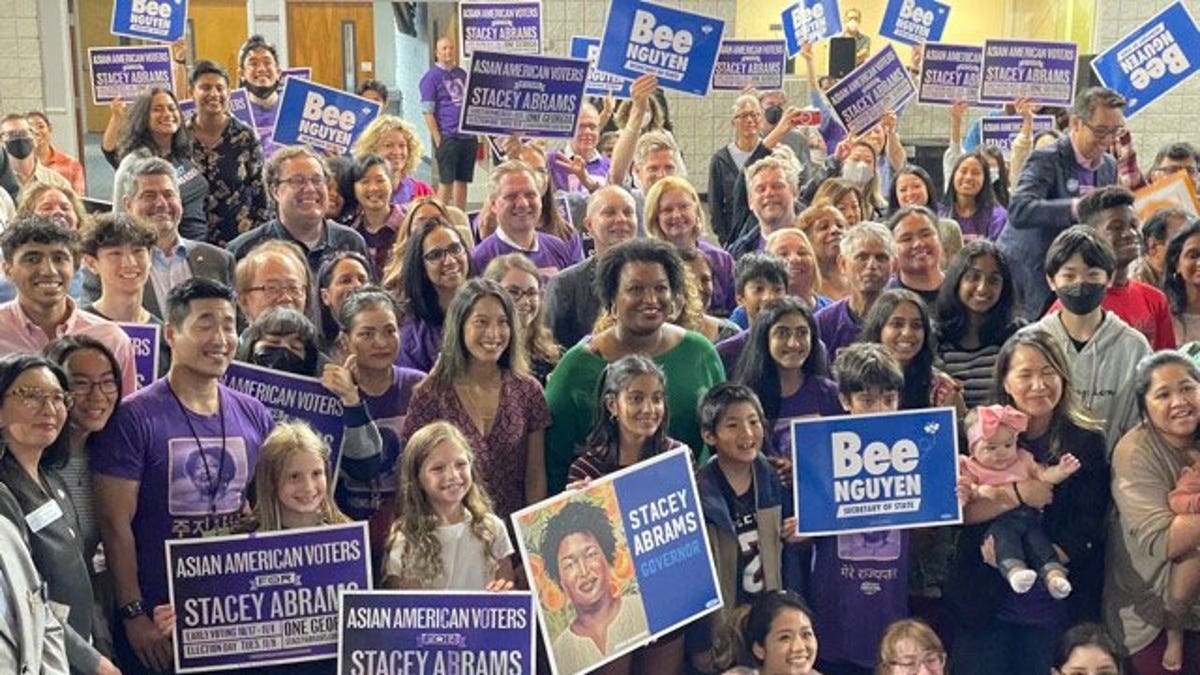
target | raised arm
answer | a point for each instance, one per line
(622, 156)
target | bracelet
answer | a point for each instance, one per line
(1018, 494)
(133, 610)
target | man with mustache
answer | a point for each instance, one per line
(867, 254)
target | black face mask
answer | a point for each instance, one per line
(1082, 298)
(258, 90)
(773, 114)
(20, 148)
(284, 359)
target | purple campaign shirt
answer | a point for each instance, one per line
(442, 93)
(184, 491)
(264, 124)
(837, 326)
(420, 344)
(721, 264)
(552, 256)
(730, 349)
(979, 225)
(359, 499)
(864, 576)
(817, 397)
(597, 168)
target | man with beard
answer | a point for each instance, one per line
(258, 74)
(772, 184)
(867, 254)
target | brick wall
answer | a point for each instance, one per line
(20, 56)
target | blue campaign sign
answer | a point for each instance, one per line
(678, 47)
(145, 340)
(749, 63)
(880, 84)
(949, 74)
(810, 21)
(599, 83)
(432, 632)
(265, 598)
(290, 396)
(1043, 72)
(859, 473)
(1152, 60)
(523, 94)
(157, 20)
(651, 512)
(914, 22)
(1000, 130)
(321, 117)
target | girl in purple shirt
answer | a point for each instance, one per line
(971, 200)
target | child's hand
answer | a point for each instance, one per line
(1067, 465)
(987, 550)
(579, 484)
(963, 491)
(783, 469)
(164, 620)
(498, 585)
(789, 531)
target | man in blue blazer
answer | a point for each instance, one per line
(1052, 182)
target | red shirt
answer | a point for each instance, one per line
(1142, 306)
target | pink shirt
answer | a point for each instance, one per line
(20, 334)
(1024, 468)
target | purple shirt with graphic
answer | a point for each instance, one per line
(264, 124)
(442, 93)
(184, 491)
(563, 180)
(552, 254)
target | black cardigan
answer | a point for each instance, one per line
(1075, 521)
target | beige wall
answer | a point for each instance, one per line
(20, 76)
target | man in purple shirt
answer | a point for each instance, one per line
(580, 167)
(867, 255)
(443, 89)
(174, 462)
(517, 204)
(258, 74)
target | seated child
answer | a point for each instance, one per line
(995, 463)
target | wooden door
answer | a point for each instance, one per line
(217, 29)
(335, 39)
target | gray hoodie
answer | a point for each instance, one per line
(1102, 372)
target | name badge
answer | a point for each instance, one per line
(43, 515)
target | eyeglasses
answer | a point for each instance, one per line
(35, 399)
(298, 182)
(82, 388)
(437, 255)
(279, 290)
(518, 295)
(748, 115)
(1104, 133)
(932, 661)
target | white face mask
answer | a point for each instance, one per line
(859, 173)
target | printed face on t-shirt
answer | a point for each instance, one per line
(206, 479)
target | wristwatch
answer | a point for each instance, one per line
(133, 610)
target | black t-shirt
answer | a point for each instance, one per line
(745, 525)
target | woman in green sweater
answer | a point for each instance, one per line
(639, 284)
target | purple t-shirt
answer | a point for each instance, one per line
(730, 349)
(721, 264)
(552, 255)
(864, 576)
(359, 499)
(597, 168)
(184, 491)
(817, 397)
(264, 124)
(837, 326)
(981, 225)
(442, 93)
(420, 344)
(380, 243)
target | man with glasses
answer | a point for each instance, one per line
(152, 199)
(1173, 158)
(19, 146)
(1052, 182)
(580, 167)
(296, 180)
(273, 274)
(40, 258)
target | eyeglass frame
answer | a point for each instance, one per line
(300, 290)
(65, 398)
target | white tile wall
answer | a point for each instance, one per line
(20, 59)
(1174, 117)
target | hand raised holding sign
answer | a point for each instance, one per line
(341, 381)
(639, 95)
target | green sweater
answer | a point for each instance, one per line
(691, 368)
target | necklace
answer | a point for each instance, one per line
(215, 485)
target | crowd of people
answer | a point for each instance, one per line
(596, 312)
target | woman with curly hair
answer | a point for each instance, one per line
(397, 142)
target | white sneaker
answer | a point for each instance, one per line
(1022, 580)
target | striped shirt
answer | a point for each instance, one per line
(973, 367)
